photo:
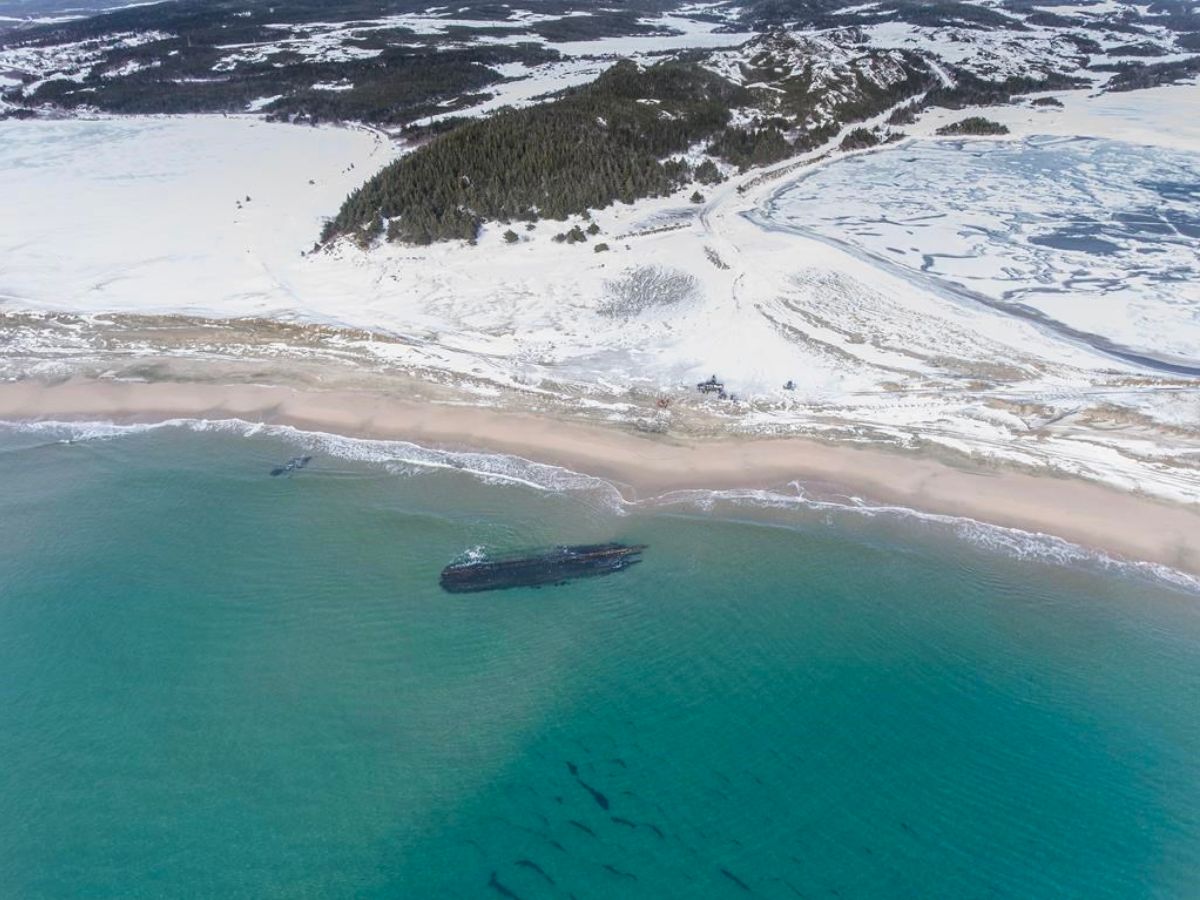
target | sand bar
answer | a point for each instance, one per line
(1083, 512)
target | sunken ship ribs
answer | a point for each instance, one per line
(556, 565)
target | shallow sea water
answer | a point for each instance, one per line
(218, 683)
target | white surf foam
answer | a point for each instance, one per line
(397, 457)
(408, 459)
(1014, 543)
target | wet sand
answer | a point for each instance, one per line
(1083, 512)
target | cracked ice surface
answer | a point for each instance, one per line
(1099, 235)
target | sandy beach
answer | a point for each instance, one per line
(644, 465)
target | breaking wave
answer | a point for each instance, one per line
(404, 458)
(397, 457)
(1013, 543)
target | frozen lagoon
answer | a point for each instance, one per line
(1099, 239)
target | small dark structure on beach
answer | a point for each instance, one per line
(557, 565)
(712, 386)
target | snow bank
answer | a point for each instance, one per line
(169, 213)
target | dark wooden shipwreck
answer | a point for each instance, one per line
(556, 565)
(293, 465)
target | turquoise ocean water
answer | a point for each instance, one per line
(218, 683)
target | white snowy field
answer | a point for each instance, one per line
(150, 215)
(206, 213)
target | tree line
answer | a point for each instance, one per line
(608, 140)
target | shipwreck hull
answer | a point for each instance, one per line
(556, 565)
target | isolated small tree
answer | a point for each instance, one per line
(859, 139)
(576, 235)
(601, 248)
(708, 173)
(697, 197)
(593, 229)
(977, 125)
(510, 237)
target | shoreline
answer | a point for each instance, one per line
(1090, 514)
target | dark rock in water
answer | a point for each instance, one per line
(501, 889)
(530, 864)
(745, 887)
(791, 887)
(620, 874)
(295, 464)
(556, 565)
(629, 823)
(596, 795)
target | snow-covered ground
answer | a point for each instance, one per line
(215, 217)
(995, 53)
(1074, 38)
(169, 213)
(71, 61)
(1099, 236)
(697, 26)
(584, 61)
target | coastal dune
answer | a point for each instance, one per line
(646, 465)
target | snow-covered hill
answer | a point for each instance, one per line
(822, 80)
(288, 59)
